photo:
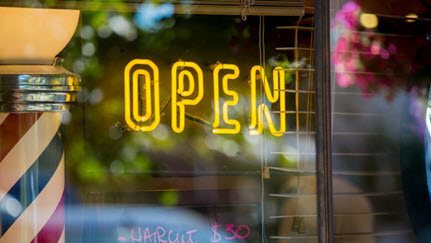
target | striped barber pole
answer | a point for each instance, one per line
(31, 178)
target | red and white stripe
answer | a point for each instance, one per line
(23, 138)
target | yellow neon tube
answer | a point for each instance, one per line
(279, 94)
(216, 122)
(181, 84)
(135, 98)
(179, 106)
(129, 107)
(226, 104)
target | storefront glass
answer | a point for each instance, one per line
(193, 124)
(195, 121)
(380, 82)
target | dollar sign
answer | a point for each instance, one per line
(216, 237)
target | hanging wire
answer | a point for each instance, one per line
(246, 10)
(263, 156)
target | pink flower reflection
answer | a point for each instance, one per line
(361, 57)
(352, 64)
(375, 48)
(344, 80)
(348, 15)
(384, 54)
(342, 45)
(392, 48)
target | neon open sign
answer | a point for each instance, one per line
(181, 97)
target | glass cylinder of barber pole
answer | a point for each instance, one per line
(33, 100)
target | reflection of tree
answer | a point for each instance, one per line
(378, 58)
(381, 59)
(114, 156)
(111, 158)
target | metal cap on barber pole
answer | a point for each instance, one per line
(35, 91)
(37, 88)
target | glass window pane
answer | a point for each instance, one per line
(380, 83)
(193, 122)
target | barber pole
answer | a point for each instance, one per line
(32, 163)
(31, 173)
(32, 167)
(35, 93)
